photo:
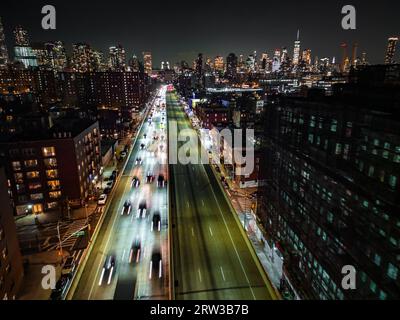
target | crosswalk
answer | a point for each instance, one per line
(70, 236)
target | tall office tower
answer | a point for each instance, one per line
(22, 49)
(199, 65)
(219, 64)
(296, 52)
(231, 66)
(117, 58)
(276, 61)
(11, 268)
(306, 57)
(353, 61)
(21, 37)
(83, 58)
(148, 65)
(364, 60)
(58, 55)
(284, 55)
(345, 58)
(264, 61)
(391, 50)
(3, 47)
(42, 56)
(134, 64)
(208, 66)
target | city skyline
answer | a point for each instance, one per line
(260, 33)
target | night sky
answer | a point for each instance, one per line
(174, 30)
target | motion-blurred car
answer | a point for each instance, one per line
(156, 222)
(135, 182)
(142, 210)
(155, 265)
(149, 177)
(102, 200)
(138, 161)
(135, 253)
(142, 146)
(161, 181)
(108, 270)
(126, 210)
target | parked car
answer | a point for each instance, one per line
(102, 200)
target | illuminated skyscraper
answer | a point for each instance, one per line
(148, 64)
(117, 58)
(134, 64)
(3, 48)
(219, 63)
(84, 58)
(296, 52)
(391, 50)
(21, 37)
(22, 50)
(306, 57)
(231, 65)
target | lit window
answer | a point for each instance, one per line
(49, 152)
(16, 165)
(55, 194)
(32, 175)
(30, 163)
(52, 174)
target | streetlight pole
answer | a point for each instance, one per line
(59, 239)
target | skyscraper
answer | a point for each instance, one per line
(134, 64)
(83, 58)
(148, 65)
(296, 52)
(22, 49)
(391, 50)
(21, 37)
(231, 65)
(117, 58)
(199, 65)
(3, 48)
(219, 63)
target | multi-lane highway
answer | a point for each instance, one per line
(211, 258)
(124, 262)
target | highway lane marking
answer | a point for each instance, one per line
(199, 274)
(192, 232)
(222, 272)
(233, 243)
(187, 204)
(123, 255)
(202, 202)
(108, 242)
(211, 231)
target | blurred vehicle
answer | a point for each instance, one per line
(142, 146)
(135, 182)
(135, 253)
(156, 222)
(126, 210)
(107, 190)
(155, 265)
(138, 161)
(108, 270)
(161, 181)
(149, 177)
(110, 184)
(123, 155)
(102, 200)
(142, 210)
